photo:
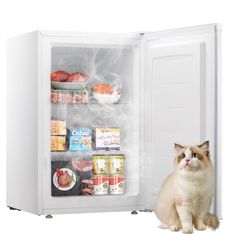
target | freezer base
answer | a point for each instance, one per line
(13, 208)
(91, 210)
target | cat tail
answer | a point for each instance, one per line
(211, 221)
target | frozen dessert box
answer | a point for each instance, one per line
(106, 138)
(80, 139)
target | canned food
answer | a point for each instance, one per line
(116, 184)
(117, 164)
(100, 164)
(100, 185)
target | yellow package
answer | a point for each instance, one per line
(58, 143)
(58, 127)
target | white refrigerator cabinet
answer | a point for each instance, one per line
(170, 92)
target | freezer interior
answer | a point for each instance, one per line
(95, 136)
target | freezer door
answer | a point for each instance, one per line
(180, 98)
(106, 59)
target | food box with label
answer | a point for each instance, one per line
(106, 138)
(80, 139)
(58, 127)
(58, 143)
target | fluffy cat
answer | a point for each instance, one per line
(185, 196)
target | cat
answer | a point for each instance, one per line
(185, 196)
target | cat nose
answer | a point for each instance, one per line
(187, 160)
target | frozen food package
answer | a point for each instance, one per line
(58, 127)
(58, 143)
(106, 138)
(72, 178)
(54, 98)
(76, 96)
(80, 139)
(79, 96)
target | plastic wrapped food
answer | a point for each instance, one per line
(83, 165)
(54, 97)
(69, 96)
(105, 93)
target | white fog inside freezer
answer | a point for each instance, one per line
(114, 65)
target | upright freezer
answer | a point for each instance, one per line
(95, 116)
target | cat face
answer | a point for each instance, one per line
(190, 158)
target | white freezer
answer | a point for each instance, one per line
(170, 93)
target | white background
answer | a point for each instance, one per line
(21, 16)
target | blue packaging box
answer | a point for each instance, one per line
(80, 140)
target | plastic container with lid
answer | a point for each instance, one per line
(116, 184)
(100, 184)
(100, 164)
(117, 164)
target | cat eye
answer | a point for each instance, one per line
(194, 155)
(183, 155)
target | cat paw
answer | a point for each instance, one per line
(200, 226)
(163, 226)
(187, 230)
(175, 227)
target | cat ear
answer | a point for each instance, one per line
(178, 147)
(204, 147)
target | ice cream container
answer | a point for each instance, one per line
(117, 164)
(100, 185)
(100, 164)
(116, 184)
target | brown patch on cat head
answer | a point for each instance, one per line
(180, 150)
(203, 153)
(199, 151)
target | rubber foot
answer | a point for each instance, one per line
(134, 212)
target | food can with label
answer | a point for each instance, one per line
(100, 164)
(116, 184)
(117, 164)
(100, 185)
